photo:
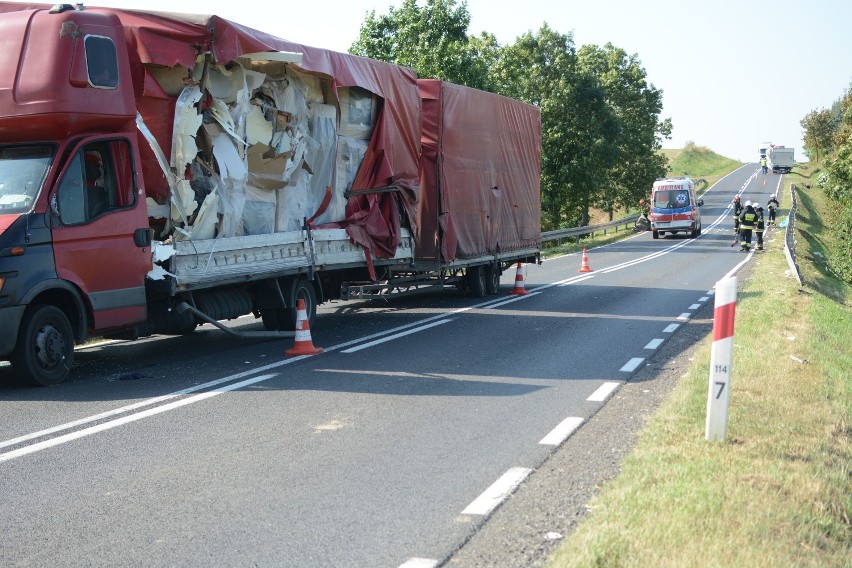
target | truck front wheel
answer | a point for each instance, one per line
(45, 350)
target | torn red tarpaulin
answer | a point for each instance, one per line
(171, 39)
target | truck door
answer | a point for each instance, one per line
(100, 231)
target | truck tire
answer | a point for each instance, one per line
(45, 350)
(477, 281)
(284, 319)
(492, 279)
(655, 234)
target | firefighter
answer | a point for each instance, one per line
(772, 205)
(759, 226)
(643, 223)
(747, 221)
(738, 210)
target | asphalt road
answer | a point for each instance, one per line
(432, 430)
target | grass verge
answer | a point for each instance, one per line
(778, 492)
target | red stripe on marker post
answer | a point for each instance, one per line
(721, 358)
(723, 320)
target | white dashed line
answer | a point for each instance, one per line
(499, 490)
(684, 316)
(561, 432)
(703, 298)
(671, 328)
(654, 343)
(607, 389)
(419, 563)
(632, 365)
(694, 306)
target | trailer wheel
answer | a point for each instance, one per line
(45, 350)
(477, 281)
(492, 279)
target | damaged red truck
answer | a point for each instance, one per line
(158, 171)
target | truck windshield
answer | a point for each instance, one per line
(22, 173)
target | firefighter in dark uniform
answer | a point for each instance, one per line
(759, 226)
(748, 218)
(772, 205)
(738, 210)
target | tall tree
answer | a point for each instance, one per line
(431, 39)
(637, 107)
(819, 132)
(578, 128)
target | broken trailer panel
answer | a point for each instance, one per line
(218, 171)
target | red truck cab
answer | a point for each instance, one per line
(72, 206)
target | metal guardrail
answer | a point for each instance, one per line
(589, 230)
(790, 237)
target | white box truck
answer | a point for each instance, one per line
(780, 159)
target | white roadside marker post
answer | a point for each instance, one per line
(721, 358)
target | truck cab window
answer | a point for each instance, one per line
(22, 172)
(101, 62)
(98, 179)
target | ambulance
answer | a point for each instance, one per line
(674, 207)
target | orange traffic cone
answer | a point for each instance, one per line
(303, 344)
(585, 265)
(519, 281)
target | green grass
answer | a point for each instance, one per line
(778, 492)
(698, 162)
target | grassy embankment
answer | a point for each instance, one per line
(696, 162)
(778, 492)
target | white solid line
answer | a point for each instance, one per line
(148, 402)
(671, 328)
(561, 432)
(632, 365)
(127, 419)
(510, 300)
(574, 280)
(395, 336)
(607, 388)
(684, 316)
(736, 269)
(703, 298)
(499, 490)
(654, 343)
(419, 563)
(694, 306)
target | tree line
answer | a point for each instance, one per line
(828, 136)
(601, 126)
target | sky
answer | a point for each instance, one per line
(734, 74)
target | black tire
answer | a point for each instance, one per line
(284, 319)
(45, 350)
(270, 317)
(477, 281)
(655, 234)
(492, 279)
